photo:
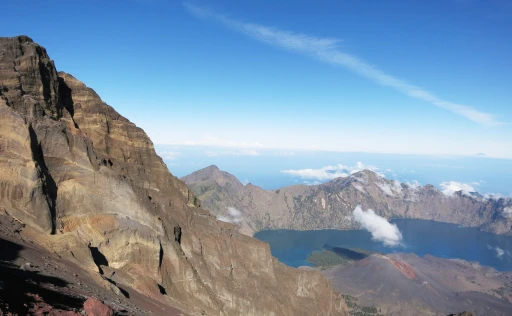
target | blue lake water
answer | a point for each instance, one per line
(419, 236)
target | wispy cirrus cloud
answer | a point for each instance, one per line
(327, 50)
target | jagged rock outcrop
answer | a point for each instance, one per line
(329, 205)
(91, 182)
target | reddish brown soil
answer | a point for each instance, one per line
(403, 267)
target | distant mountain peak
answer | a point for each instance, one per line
(328, 205)
(368, 175)
(213, 173)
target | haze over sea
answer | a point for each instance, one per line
(264, 167)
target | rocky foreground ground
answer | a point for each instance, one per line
(35, 281)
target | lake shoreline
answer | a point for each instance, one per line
(421, 237)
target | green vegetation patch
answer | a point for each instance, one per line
(334, 256)
(356, 310)
(327, 258)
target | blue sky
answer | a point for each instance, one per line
(428, 77)
(399, 77)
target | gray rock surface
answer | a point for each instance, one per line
(330, 205)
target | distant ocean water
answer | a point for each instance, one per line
(263, 167)
(419, 236)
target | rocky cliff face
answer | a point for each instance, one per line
(330, 205)
(90, 181)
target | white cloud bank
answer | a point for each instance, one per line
(450, 187)
(326, 50)
(381, 230)
(329, 172)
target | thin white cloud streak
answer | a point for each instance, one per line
(329, 172)
(326, 50)
(381, 230)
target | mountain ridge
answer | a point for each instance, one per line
(329, 205)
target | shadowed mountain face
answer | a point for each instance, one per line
(89, 182)
(329, 205)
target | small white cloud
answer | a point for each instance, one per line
(494, 196)
(397, 186)
(359, 188)
(507, 212)
(233, 212)
(385, 188)
(381, 230)
(414, 184)
(450, 187)
(329, 172)
(169, 155)
(499, 253)
(234, 216)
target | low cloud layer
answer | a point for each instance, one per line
(450, 187)
(329, 172)
(381, 230)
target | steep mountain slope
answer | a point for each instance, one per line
(329, 205)
(90, 182)
(405, 284)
